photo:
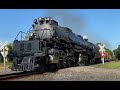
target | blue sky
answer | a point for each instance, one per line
(100, 25)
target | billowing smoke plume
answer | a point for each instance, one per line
(67, 19)
(76, 23)
(96, 38)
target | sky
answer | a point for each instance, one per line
(99, 25)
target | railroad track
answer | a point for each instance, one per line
(11, 76)
(22, 74)
(17, 75)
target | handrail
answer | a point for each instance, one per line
(21, 32)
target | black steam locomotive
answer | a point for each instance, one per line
(50, 46)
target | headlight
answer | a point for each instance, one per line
(47, 18)
(31, 34)
(40, 18)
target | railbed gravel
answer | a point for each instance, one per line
(81, 73)
(7, 71)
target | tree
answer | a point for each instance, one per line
(10, 47)
(109, 54)
(1, 58)
(117, 52)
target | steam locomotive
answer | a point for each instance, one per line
(50, 46)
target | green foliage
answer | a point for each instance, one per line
(8, 64)
(1, 58)
(114, 58)
(9, 46)
(109, 54)
(117, 52)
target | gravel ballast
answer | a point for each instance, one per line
(81, 73)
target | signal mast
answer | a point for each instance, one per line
(102, 52)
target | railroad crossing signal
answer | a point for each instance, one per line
(102, 47)
(102, 52)
(4, 52)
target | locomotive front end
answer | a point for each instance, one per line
(50, 46)
(37, 49)
(43, 28)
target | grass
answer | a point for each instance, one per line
(109, 65)
(7, 65)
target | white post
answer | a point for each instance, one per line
(4, 58)
(3, 50)
(102, 60)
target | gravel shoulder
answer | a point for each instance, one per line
(81, 73)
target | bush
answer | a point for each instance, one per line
(117, 52)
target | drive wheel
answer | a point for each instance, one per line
(92, 61)
(53, 68)
(63, 64)
(73, 61)
(86, 61)
(58, 65)
(68, 63)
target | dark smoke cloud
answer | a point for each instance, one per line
(71, 20)
(76, 22)
(96, 38)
